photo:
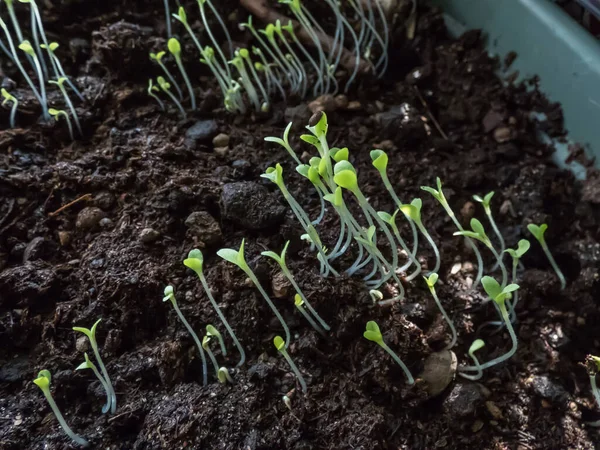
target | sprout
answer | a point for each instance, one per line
(485, 201)
(205, 346)
(237, 257)
(372, 333)
(15, 103)
(516, 255)
(151, 92)
(313, 176)
(476, 345)
(223, 376)
(299, 303)
(201, 4)
(51, 49)
(57, 113)
(168, 18)
(169, 295)
(478, 233)
(294, 74)
(88, 364)
(592, 364)
(431, 281)
(175, 48)
(287, 402)
(245, 79)
(440, 197)
(157, 57)
(391, 221)
(280, 259)
(413, 212)
(375, 295)
(43, 382)
(91, 335)
(280, 345)
(245, 55)
(26, 47)
(165, 86)
(60, 83)
(538, 232)
(499, 295)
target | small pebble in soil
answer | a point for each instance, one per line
(493, 410)
(104, 200)
(149, 235)
(106, 223)
(547, 388)
(341, 101)
(297, 114)
(280, 285)
(325, 103)
(201, 132)
(202, 226)
(221, 151)
(463, 399)
(38, 248)
(89, 217)
(251, 206)
(439, 371)
(467, 211)
(82, 344)
(221, 140)
(64, 237)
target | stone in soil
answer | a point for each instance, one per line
(463, 400)
(201, 132)
(89, 217)
(204, 227)
(251, 206)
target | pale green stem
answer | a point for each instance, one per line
(470, 241)
(62, 74)
(113, 397)
(488, 212)
(212, 38)
(61, 420)
(310, 320)
(559, 274)
(174, 99)
(106, 407)
(187, 81)
(196, 340)
(425, 233)
(476, 376)
(289, 276)
(168, 18)
(411, 259)
(171, 79)
(446, 318)
(13, 113)
(501, 264)
(34, 32)
(213, 360)
(71, 107)
(396, 358)
(294, 369)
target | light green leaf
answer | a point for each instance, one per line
(432, 280)
(320, 129)
(346, 179)
(298, 300)
(477, 344)
(380, 160)
(174, 47)
(279, 343)
(538, 231)
(491, 287)
(194, 261)
(372, 332)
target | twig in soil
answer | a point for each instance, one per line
(68, 205)
(9, 211)
(113, 418)
(429, 113)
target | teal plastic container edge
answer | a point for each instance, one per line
(550, 44)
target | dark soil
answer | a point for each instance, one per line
(111, 255)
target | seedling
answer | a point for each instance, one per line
(91, 335)
(499, 295)
(175, 48)
(478, 233)
(88, 364)
(280, 259)
(26, 47)
(168, 18)
(373, 334)
(51, 48)
(592, 364)
(206, 346)
(516, 255)
(211, 331)
(538, 232)
(438, 194)
(43, 382)
(223, 376)
(413, 212)
(151, 92)
(170, 295)
(431, 281)
(195, 261)
(157, 57)
(13, 109)
(281, 348)
(299, 304)
(60, 83)
(391, 221)
(166, 88)
(485, 201)
(237, 258)
(476, 345)
(57, 113)
(245, 79)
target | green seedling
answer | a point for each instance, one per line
(476, 345)
(438, 194)
(195, 261)
(499, 295)
(168, 18)
(37, 17)
(478, 233)
(57, 113)
(313, 176)
(299, 304)
(391, 221)
(376, 296)
(91, 335)
(27, 48)
(223, 376)
(166, 88)
(60, 83)
(592, 364)
(245, 79)
(43, 382)
(431, 281)
(13, 109)
(157, 57)
(281, 348)
(217, 44)
(245, 55)
(170, 296)
(485, 201)
(51, 48)
(280, 259)
(287, 402)
(206, 347)
(88, 364)
(211, 331)
(237, 258)
(517, 254)
(152, 93)
(538, 232)
(413, 212)
(373, 334)
(175, 48)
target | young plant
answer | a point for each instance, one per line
(91, 335)
(391, 221)
(499, 295)
(438, 194)
(592, 364)
(168, 18)
(211, 332)
(57, 113)
(206, 347)
(166, 88)
(223, 376)
(60, 83)
(157, 57)
(43, 382)
(516, 255)
(431, 281)
(485, 201)
(373, 334)
(477, 232)
(88, 364)
(413, 212)
(476, 345)
(15, 103)
(246, 80)
(538, 232)
(285, 143)
(151, 92)
(195, 261)
(280, 260)
(51, 48)
(169, 295)
(175, 48)
(27, 48)
(299, 304)
(281, 348)
(237, 258)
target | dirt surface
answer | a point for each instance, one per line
(155, 190)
